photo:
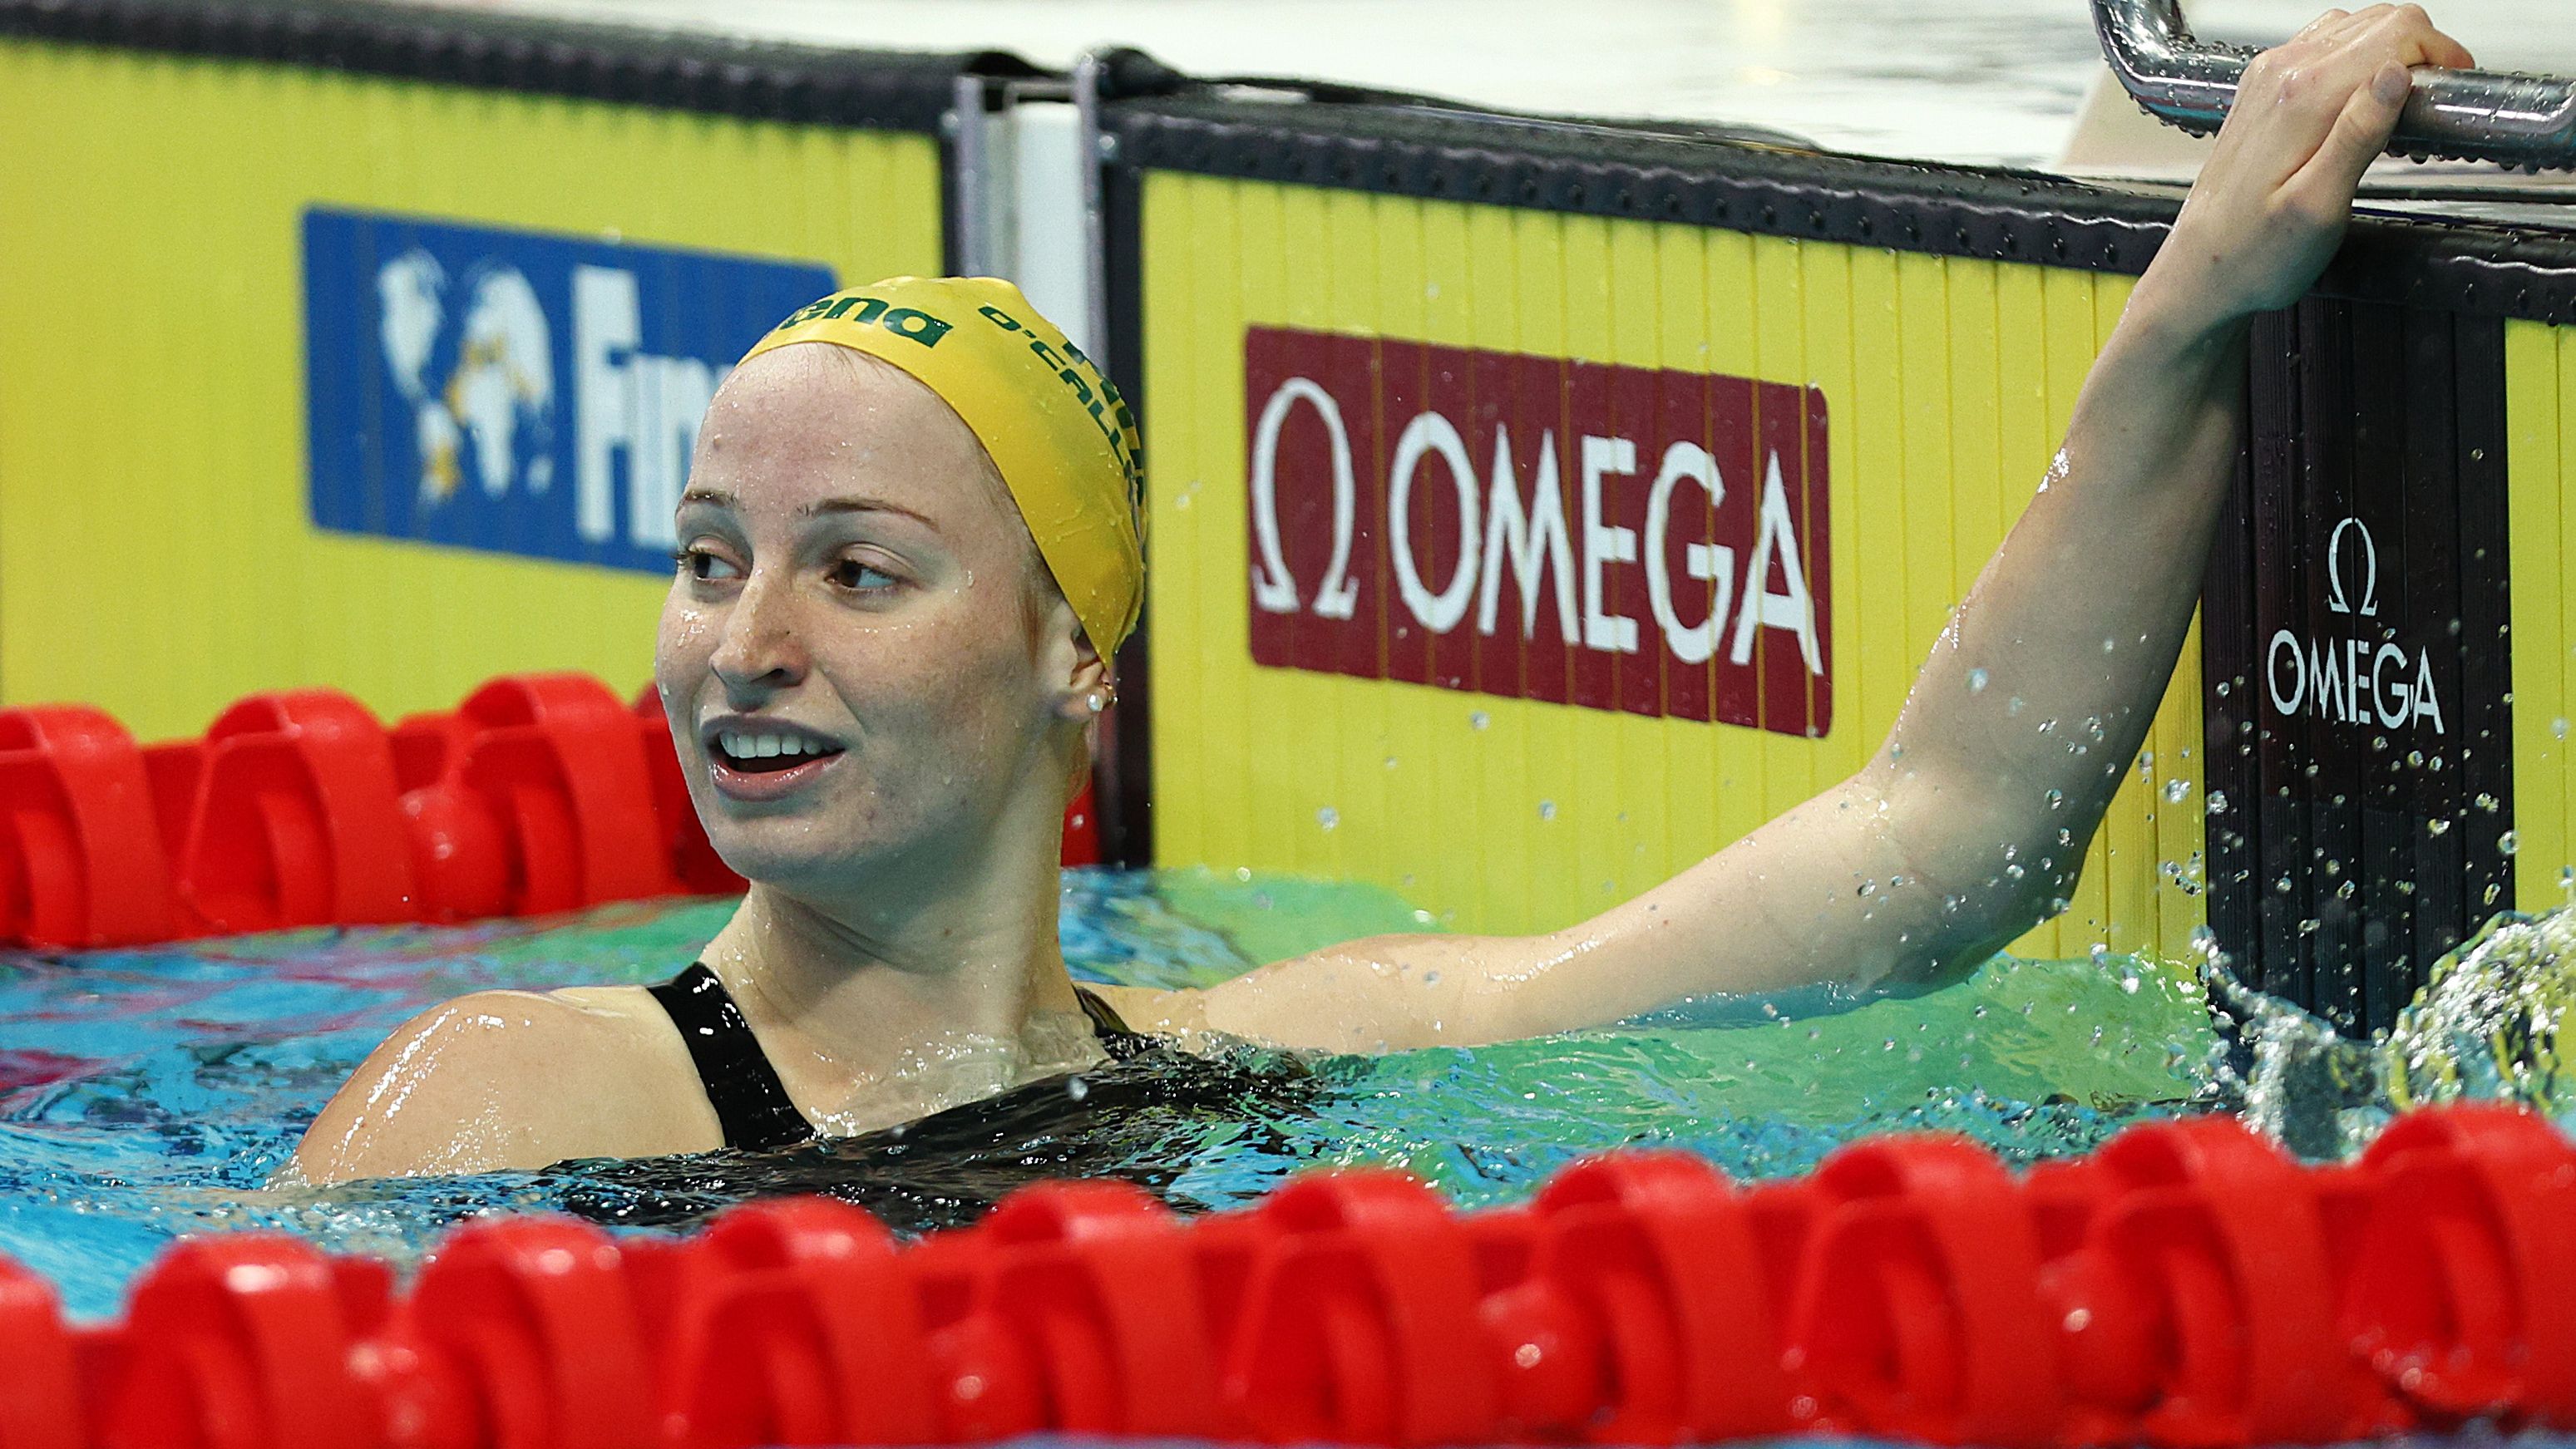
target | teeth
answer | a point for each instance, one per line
(742, 745)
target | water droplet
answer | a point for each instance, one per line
(1077, 1088)
(2217, 802)
(1547, 810)
(2437, 827)
(1479, 720)
(1976, 681)
(2177, 791)
(1328, 817)
(2056, 799)
(2509, 842)
(1390, 762)
(2489, 803)
(2558, 727)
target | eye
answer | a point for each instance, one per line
(704, 565)
(860, 575)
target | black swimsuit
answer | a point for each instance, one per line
(743, 1087)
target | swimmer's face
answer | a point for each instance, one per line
(864, 665)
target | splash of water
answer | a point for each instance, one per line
(2488, 1022)
(2486, 1026)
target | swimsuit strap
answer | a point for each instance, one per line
(1116, 1037)
(750, 1102)
(1105, 1019)
(741, 1085)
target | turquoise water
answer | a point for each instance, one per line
(148, 1094)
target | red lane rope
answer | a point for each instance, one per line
(538, 793)
(2187, 1285)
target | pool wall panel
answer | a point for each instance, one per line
(2540, 396)
(2363, 793)
(1503, 813)
(159, 547)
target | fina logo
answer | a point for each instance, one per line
(519, 392)
(499, 387)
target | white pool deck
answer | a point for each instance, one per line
(1968, 81)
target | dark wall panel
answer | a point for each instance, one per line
(2359, 722)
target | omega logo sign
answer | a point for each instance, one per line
(2345, 678)
(1644, 540)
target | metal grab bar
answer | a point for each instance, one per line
(2465, 115)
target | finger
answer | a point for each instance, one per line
(2356, 22)
(2416, 41)
(2441, 50)
(2329, 19)
(2360, 132)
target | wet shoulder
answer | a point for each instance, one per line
(514, 1079)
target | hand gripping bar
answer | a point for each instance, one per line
(2465, 115)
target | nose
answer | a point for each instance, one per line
(758, 652)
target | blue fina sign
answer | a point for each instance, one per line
(514, 391)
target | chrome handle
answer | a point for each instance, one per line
(2466, 115)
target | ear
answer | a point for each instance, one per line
(1082, 686)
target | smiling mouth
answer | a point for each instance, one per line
(761, 753)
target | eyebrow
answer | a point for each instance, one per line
(820, 508)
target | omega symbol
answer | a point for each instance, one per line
(2335, 599)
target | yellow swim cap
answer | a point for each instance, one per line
(1064, 440)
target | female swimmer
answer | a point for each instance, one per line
(902, 572)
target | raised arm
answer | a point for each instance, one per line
(1970, 823)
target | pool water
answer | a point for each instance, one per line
(149, 1094)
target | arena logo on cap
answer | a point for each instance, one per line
(909, 322)
(1645, 540)
(515, 391)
